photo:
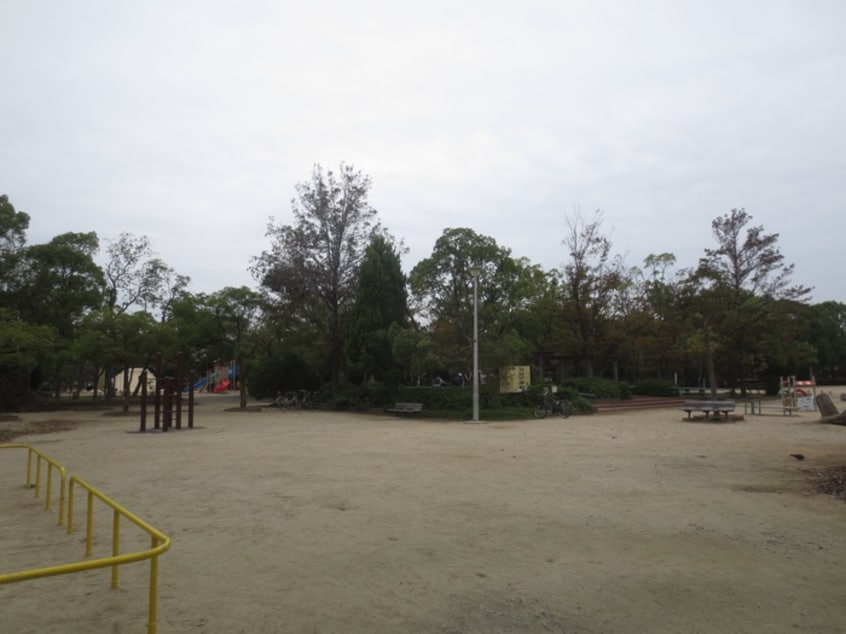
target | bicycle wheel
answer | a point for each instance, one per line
(565, 409)
(540, 411)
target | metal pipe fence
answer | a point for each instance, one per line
(159, 542)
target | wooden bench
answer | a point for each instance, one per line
(405, 408)
(709, 407)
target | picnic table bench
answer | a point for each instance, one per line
(405, 408)
(709, 407)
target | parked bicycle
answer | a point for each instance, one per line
(294, 400)
(557, 406)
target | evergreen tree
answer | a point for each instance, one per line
(381, 301)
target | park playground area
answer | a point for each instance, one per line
(330, 522)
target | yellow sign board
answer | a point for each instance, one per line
(514, 379)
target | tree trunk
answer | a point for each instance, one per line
(242, 382)
(126, 394)
(709, 359)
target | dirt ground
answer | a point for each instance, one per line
(321, 522)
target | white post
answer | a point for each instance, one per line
(475, 349)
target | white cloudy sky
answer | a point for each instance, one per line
(191, 121)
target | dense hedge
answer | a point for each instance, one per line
(655, 387)
(453, 400)
(270, 376)
(600, 388)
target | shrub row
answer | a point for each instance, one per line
(655, 387)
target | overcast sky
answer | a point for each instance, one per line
(190, 122)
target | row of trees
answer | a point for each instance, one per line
(333, 306)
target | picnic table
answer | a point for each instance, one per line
(709, 407)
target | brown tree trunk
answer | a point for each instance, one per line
(242, 383)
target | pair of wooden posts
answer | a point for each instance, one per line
(167, 397)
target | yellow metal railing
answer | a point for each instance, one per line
(159, 541)
(51, 466)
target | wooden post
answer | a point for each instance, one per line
(177, 387)
(191, 378)
(144, 401)
(157, 403)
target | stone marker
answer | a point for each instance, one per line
(826, 405)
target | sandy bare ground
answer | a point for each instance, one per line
(337, 523)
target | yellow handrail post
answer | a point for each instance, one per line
(115, 545)
(160, 541)
(49, 486)
(29, 468)
(62, 489)
(89, 525)
(37, 474)
(152, 616)
(70, 507)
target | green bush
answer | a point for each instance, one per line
(269, 376)
(600, 388)
(454, 402)
(535, 394)
(357, 397)
(655, 387)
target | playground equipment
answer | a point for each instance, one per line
(223, 378)
(794, 394)
(798, 394)
(167, 398)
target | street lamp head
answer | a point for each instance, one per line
(475, 271)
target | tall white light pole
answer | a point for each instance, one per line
(475, 271)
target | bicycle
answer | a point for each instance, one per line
(288, 400)
(301, 399)
(559, 406)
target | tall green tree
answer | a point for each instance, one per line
(60, 282)
(237, 315)
(116, 341)
(23, 347)
(415, 352)
(381, 301)
(312, 264)
(542, 326)
(827, 323)
(746, 274)
(134, 276)
(591, 275)
(651, 318)
(13, 228)
(508, 288)
(57, 284)
(442, 284)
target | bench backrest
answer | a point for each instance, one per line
(709, 404)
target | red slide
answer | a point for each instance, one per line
(221, 387)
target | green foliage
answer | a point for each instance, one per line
(454, 402)
(359, 397)
(655, 387)
(340, 310)
(22, 346)
(600, 388)
(13, 226)
(271, 375)
(746, 283)
(443, 288)
(60, 282)
(827, 331)
(312, 265)
(381, 302)
(592, 278)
